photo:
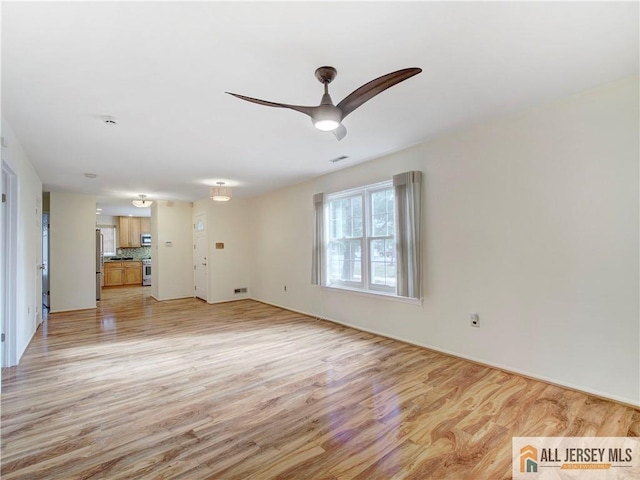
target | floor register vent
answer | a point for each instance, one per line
(240, 290)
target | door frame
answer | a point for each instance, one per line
(8, 260)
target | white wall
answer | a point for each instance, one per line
(102, 220)
(29, 242)
(228, 268)
(172, 252)
(72, 246)
(283, 234)
(531, 221)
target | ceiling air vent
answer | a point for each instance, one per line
(109, 120)
(339, 159)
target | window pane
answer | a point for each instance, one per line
(357, 226)
(346, 217)
(382, 213)
(108, 240)
(391, 212)
(391, 223)
(357, 215)
(383, 262)
(346, 226)
(345, 257)
(378, 202)
(377, 250)
(379, 225)
(333, 228)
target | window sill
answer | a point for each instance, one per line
(373, 294)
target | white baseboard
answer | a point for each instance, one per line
(72, 310)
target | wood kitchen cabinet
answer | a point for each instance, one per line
(133, 273)
(129, 231)
(113, 274)
(145, 225)
(122, 273)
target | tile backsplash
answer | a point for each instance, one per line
(137, 253)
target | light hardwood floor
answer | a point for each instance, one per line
(140, 389)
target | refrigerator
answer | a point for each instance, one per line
(98, 264)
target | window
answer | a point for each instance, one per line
(108, 239)
(361, 247)
(369, 238)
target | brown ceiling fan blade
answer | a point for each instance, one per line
(374, 87)
(299, 108)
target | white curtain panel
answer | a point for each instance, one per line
(408, 188)
(317, 260)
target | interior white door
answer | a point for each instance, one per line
(39, 266)
(45, 259)
(200, 263)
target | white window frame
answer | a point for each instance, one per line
(367, 239)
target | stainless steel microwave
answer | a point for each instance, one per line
(145, 239)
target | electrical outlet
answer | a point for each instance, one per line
(475, 320)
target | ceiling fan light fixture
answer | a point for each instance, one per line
(142, 203)
(220, 193)
(326, 125)
(327, 117)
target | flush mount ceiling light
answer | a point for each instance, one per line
(142, 203)
(220, 193)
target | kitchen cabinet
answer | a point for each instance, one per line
(113, 274)
(133, 273)
(129, 232)
(145, 225)
(122, 273)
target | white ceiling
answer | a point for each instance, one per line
(162, 69)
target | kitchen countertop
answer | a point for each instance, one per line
(119, 259)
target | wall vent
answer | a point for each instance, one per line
(240, 290)
(339, 159)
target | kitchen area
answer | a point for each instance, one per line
(123, 252)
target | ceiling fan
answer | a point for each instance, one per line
(327, 116)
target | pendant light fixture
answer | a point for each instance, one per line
(142, 203)
(220, 193)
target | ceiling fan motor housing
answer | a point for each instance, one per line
(326, 74)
